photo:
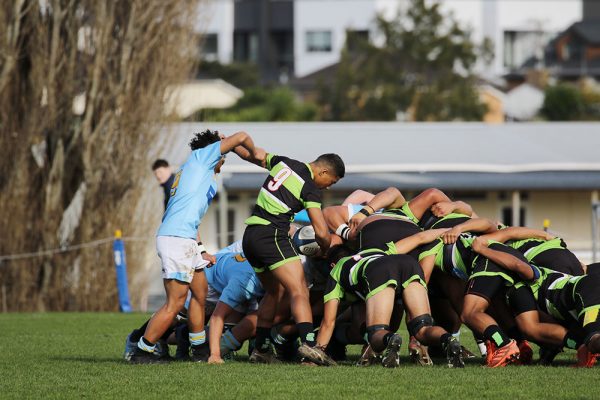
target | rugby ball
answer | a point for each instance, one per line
(304, 241)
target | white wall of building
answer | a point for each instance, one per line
(216, 17)
(485, 18)
(327, 15)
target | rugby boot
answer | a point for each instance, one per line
(466, 353)
(391, 354)
(502, 356)
(548, 354)
(200, 353)
(140, 356)
(418, 353)
(585, 359)
(525, 352)
(454, 353)
(368, 357)
(314, 354)
(129, 347)
(266, 357)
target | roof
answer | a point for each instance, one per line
(188, 98)
(588, 30)
(457, 156)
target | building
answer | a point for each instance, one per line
(572, 53)
(295, 38)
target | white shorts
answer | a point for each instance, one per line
(180, 257)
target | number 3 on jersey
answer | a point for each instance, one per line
(279, 178)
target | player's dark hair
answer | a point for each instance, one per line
(160, 163)
(334, 162)
(337, 252)
(203, 139)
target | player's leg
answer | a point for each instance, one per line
(501, 349)
(263, 352)
(379, 310)
(197, 334)
(161, 321)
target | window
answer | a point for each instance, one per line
(318, 41)
(209, 46)
(354, 39)
(520, 46)
(507, 216)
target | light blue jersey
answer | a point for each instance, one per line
(192, 191)
(302, 216)
(233, 277)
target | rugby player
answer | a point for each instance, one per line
(573, 301)
(181, 257)
(290, 187)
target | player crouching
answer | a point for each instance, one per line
(378, 278)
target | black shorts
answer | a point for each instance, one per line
(397, 270)
(521, 300)
(267, 247)
(377, 234)
(488, 278)
(561, 260)
(587, 304)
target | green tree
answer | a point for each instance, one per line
(424, 67)
(264, 104)
(562, 103)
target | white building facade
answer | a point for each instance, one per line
(519, 29)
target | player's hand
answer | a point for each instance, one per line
(548, 236)
(432, 234)
(442, 208)
(215, 360)
(356, 220)
(210, 258)
(479, 243)
(451, 236)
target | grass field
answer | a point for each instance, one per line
(78, 355)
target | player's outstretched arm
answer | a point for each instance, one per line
(389, 198)
(358, 197)
(327, 323)
(410, 243)
(259, 157)
(518, 233)
(482, 225)
(504, 260)
(217, 321)
(322, 235)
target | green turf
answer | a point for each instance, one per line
(78, 355)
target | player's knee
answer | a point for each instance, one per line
(374, 329)
(416, 324)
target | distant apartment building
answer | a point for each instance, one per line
(295, 38)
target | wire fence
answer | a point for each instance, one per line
(70, 248)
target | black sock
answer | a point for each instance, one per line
(138, 333)
(515, 333)
(494, 334)
(305, 331)
(167, 334)
(572, 340)
(263, 339)
(444, 339)
(386, 338)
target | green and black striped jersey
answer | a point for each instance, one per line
(343, 281)
(555, 293)
(288, 189)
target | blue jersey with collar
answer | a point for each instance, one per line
(233, 277)
(192, 191)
